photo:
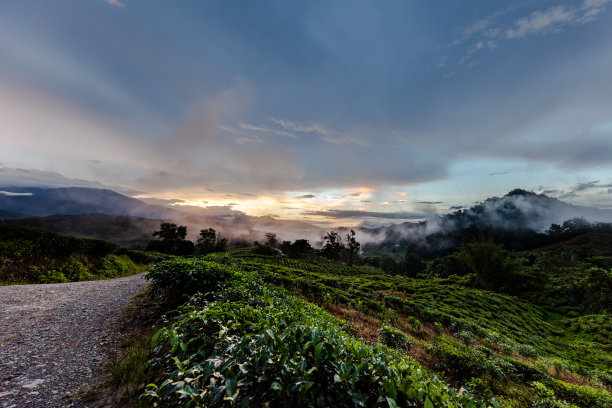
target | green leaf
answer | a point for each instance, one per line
(428, 403)
(391, 402)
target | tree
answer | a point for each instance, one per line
(491, 263)
(352, 247)
(209, 241)
(206, 241)
(271, 240)
(300, 248)
(333, 245)
(171, 240)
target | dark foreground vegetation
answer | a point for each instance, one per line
(32, 256)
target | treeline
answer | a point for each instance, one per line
(172, 239)
(513, 239)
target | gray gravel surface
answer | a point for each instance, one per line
(53, 338)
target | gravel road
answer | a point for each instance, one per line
(52, 338)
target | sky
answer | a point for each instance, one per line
(337, 112)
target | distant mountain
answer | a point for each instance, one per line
(519, 210)
(8, 215)
(105, 214)
(123, 230)
(40, 202)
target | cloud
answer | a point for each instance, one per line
(246, 139)
(341, 214)
(429, 202)
(249, 127)
(345, 139)
(116, 3)
(20, 177)
(296, 127)
(548, 20)
(488, 32)
(306, 196)
(586, 186)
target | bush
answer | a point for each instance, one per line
(179, 277)
(248, 344)
(394, 338)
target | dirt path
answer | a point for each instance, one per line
(52, 338)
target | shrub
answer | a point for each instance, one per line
(179, 277)
(248, 344)
(395, 338)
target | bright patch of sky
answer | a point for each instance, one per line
(333, 112)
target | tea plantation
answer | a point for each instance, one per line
(261, 330)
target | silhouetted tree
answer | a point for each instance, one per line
(263, 249)
(333, 245)
(300, 248)
(271, 240)
(209, 241)
(171, 240)
(352, 247)
(412, 265)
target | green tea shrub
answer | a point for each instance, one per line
(581, 395)
(183, 276)
(394, 338)
(249, 344)
(463, 362)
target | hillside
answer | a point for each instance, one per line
(123, 230)
(40, 202)
(547, 345)
(29, 255)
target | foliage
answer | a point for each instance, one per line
(172, 240)
(184, 277)
(333, 245)
(251, 344)
(507, 340)
(395, 338)
(209, 241)
(300, 249)
(33, 256)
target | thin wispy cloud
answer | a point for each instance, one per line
(338, 140)
(116, 3)
(243, 140)
(244, 128)
(487, 33)
(254, 128)
(305, 128)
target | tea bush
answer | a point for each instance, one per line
(251, 344)
(395, 338)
